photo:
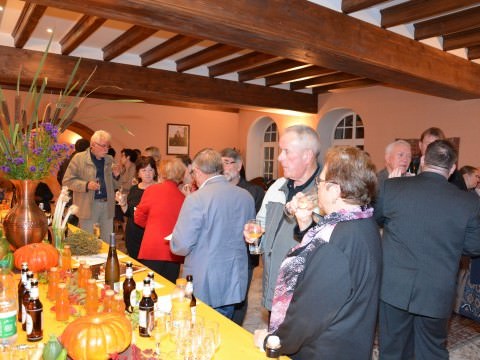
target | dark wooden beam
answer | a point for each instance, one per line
(297, 75)
(239, 63)
(167, 48)
(26, 23)
(127, 40)
(461, 39)
(349, 6)
(473, 52)
(322, 80)
(415, 10)
(85, 27)
(153, 85)
(345, 85)
(459, 21)
(270, 69)
(308, 33)
(207, 55)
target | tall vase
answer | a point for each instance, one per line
(25, 223)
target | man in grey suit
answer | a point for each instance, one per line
(209, 233)
(428, 224)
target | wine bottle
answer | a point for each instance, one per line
(189, 295)
(112, 266)
(146, 311)
(34, 314)
(129, 293)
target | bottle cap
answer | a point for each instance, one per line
(189, 278)
(273, 342)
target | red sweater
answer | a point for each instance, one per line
(157, 213)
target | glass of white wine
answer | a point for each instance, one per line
(253, 233)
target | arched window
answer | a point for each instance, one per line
(349, 131)
(270, 152)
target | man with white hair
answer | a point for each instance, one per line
(398, 155)
(92, 179)
(299, 150)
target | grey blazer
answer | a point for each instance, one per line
(209, 233)
(428, 224)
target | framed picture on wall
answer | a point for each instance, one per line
(178, 139)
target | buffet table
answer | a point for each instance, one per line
(236, 342)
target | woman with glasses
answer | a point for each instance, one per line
(326, 297)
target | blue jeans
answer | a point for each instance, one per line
(226, 310)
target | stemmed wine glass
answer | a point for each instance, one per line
(253, 231)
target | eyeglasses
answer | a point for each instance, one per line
(228, 162)
(103, 146)
(319, 180)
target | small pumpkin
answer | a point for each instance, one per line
(39, 256)
(94, 337)
(52, 349)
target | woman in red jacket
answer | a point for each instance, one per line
(157, 213)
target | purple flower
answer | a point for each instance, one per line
(5, 168)
(18, 161)
(33, 168)
(37, 151)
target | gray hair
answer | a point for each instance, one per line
(308, 137)
(208, 161)
(231, 153)
(389, 148)
(101, 135)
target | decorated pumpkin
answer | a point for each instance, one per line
(94, 337)
(39, 256)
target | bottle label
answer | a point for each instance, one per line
(29, 320)
(24, 313)
(189, 288)
(133, 298)
(8, 327)
(128, 272)
(142, 318)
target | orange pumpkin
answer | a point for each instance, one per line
(39, 256)
(94, 337)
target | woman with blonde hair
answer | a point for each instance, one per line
(157, 213)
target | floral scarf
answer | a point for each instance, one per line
(294, 263)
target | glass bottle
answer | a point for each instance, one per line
(91, 299)
(146, 311)
(154, 295)
(34, 314)
(53, 280)
(81, 274)
(25, 299)
(189, 295)
(8, 307)
(66, 258)
(62, 303)
(273, 347)
(118, 305)
(112, 266)
(21, 289)
(108, 301)
(129, 293)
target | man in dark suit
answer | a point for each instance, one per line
(428, 224)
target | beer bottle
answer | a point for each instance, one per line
(273, 347)
(129, 293)
(25, 299)
(189, 295)
(21, 289)
(34, 314)
(154, 296)
(112, 266)
(146, 311)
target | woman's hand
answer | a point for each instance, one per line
(259, 336)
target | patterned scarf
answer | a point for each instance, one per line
(294, 263)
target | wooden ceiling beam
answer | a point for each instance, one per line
(270, 69)
(133, 36)
(473, 52)
(349, 6)
(153, 85)
(345, 85)
(242, 62)
(207, 55)
(297, 75)
(459, 21)
(461, 39)
(169, 47)
(323, 80)
(85, 27)
(341, 42)
(26, 23)
(415, 10)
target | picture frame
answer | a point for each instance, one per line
(178, 139)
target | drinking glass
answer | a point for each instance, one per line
(254, 231)
(160, 330)
(97, 181)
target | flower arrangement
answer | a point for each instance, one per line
(29, 147)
